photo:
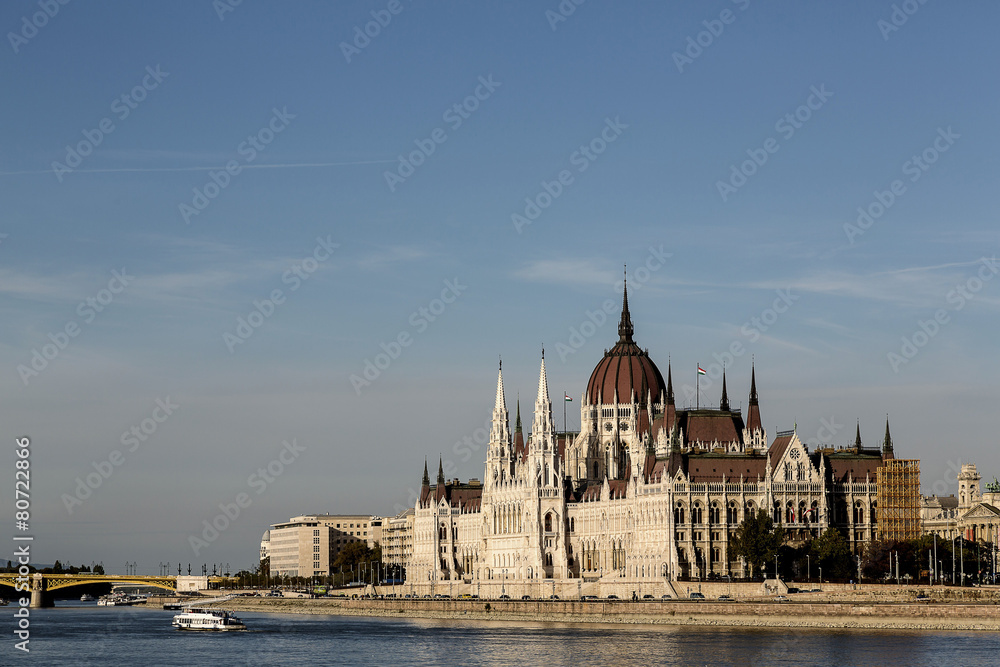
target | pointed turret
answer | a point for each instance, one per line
(724, 403)
(426, 480)
(440, 479)
(670, 386)
(857, 438)
(501, 401)
(625, 328)
(518, 435)
(754, 424)
(887, 442)
(500, 428)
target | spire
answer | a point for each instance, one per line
(517, 426)
(887, 443)
(440, 472)
(427, 480)
(857, 438)
(625, 328)
(754, 423)
(501, 402)
(724, 404)
(670, 386)
(543, 385)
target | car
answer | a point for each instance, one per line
(697, 596)
(666, 597)
(588, 597)
(923, 598)
(504, 597)
(407, 596)
(780, 598)
(525, 597)
(553, 597)
(793, 590)
(427, 596)
(725, 598)
(647, 597)
(613, 597)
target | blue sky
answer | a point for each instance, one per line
(648, 195)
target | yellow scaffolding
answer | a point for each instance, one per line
(898, 509)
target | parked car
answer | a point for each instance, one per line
(780, 598)
(553, 597)
(613, 597)
(647, 597)
(525, 597)
(588, 597)
(697, 596)
(666, 597)
(725, 598)
(505, 597)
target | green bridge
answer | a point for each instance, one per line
(42, 585)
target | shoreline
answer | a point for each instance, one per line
(805, 615)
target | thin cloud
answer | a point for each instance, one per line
(121, 170)
(566, 272)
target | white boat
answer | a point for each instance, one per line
(87, 597)
(208, 619)
(118, 600)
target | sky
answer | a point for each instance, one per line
(261, 259)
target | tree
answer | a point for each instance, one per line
(833, 554)
(757, 540)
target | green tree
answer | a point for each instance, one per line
(757, 540)
(833, 554)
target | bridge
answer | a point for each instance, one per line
(42, 585)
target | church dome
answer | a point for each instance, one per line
(625, 368)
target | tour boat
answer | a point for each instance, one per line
(208, 619)
(87, 597)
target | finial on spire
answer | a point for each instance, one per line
(440, 471)
(426, 480)
(625, 328)
(857, 438)
(753, 384)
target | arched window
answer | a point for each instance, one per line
(548, 523)
(802, 518)
(859, 512)
(714, 513)
(789, 512)
(732, 513)
(595, 469)
(679, 513)
(696, 516)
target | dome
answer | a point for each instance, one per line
(624, 368)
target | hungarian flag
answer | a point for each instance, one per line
(566, 396)
(702, 371)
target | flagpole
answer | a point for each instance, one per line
(697, 387)
(564, 410)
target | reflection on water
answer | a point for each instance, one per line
(89, 635)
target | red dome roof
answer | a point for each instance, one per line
(625, 368)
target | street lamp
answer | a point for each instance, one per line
(808, 569)
(821, 574)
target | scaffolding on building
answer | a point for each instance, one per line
(898, 497)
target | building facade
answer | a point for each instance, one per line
(645, 492)
(307, 546)
(974, 514)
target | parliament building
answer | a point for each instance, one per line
(645, 493)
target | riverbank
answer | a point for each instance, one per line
(888, 616)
